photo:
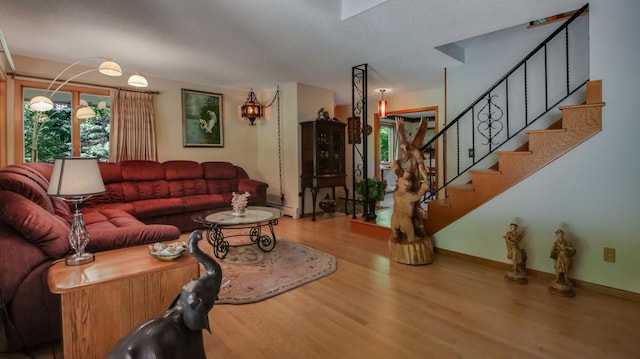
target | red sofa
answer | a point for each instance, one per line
(144, 202)
(171, 192)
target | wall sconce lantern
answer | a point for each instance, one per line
(382, 105)
(251, 109)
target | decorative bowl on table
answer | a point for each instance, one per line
(168, 252)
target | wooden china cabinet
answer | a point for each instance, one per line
(323, 158)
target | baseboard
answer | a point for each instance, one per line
(370, 229)
(592, 287)
(287, 211)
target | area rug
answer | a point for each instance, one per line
(254, 275)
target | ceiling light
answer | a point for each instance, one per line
(137, 80)
(110, 68)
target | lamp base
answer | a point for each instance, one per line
(79, 259)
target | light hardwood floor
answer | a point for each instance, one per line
(453, 308)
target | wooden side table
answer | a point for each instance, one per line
(104, 300)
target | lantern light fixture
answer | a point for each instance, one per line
(251, 109)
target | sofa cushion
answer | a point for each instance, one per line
(142, 190)
(30, 189)
(111, 172)
(124, 206)
(43, 168)
(178, 170)
(35, 224)
(156, 207)
(187, 187)
(204, 202)
(19, 258)
(111, 229)
(139, 170)
(113, 194)
(222, 186)
(219, 170)
(62, 209)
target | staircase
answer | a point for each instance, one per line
(578, 124)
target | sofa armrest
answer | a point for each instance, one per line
(107, 239)
(251, 186)
(257, 189)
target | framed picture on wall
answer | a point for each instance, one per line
(354, 129)
(202, 119)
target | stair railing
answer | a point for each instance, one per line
(530, 90)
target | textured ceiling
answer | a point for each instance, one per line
(241, 44)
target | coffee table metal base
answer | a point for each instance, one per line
(221, 245)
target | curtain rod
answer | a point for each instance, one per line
(14, 75)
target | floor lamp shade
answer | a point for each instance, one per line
(75, 177)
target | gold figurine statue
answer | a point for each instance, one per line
(562, 252)
(517, 255)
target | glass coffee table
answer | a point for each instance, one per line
(254, 218)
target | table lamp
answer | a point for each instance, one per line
(76, 178)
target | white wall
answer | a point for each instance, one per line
(267, 153)
(591, 192)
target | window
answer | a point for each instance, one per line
(387, 143)
(94, 132)
(58, 133)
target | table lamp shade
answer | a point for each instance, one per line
(75, 177)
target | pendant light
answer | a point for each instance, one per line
(382, 105)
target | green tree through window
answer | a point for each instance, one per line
(53, 133)
(50, 133)
(384, 144)
(94, 135)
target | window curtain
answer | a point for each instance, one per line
(133, 131)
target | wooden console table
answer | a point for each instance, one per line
(104, 300)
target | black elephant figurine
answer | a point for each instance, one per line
(178, 333)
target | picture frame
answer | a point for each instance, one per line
(354, 130)
(202, 121)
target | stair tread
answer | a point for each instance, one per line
(595, 104)
(443, 202)
(513, 153)
(461, 187)
(556, 130)
(487, 171)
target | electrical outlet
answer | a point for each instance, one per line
(471, 153)
(609, 254)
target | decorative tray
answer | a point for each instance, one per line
(167, 252)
